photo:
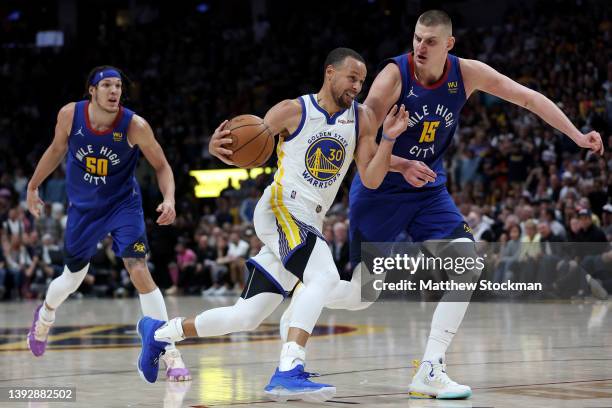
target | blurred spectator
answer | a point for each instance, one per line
(47, 224)
(340, 247)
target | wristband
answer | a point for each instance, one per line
(390, 139)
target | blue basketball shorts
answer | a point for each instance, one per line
(86, 228)
(382, 215)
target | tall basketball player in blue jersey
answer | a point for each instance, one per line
(103, 140)
(434, 85)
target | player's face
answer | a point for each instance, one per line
(431, 45)
(107, 94)
(347, 81)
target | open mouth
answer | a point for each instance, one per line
(421, 58)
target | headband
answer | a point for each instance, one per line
(105, 73)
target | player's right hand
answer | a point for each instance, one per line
(417, 173)
(34, 202)
(217, 141)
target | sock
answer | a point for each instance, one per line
(62, 286)
(292, 355)
(46, 314)
(152, 305)
(444, 324)
(171, 332)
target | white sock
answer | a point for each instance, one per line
(46, 314)
(171, 332)
(62, 286)
(292, 355)
(152, 305)
(444, 324)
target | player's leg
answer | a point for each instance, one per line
(83, 231)
(366, 225)
(262, 294)
(441, 225)
(314, 265)
(130, 243)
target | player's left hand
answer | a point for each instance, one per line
(396, 122)
(168, 214)
(592, 141)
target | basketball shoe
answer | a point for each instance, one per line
(296, 385)
(431, 381)
(38, 334)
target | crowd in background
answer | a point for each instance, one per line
(515, 179)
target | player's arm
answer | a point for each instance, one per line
(480, 76)
(385, 90)
(282, 119)
(141, 134)
(373, 159)
(52, 157)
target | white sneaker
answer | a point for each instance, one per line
(285, 320)
(221, 291)
(175, 367)
(431, 381)
(209, 292)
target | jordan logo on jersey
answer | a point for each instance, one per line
(324, 158)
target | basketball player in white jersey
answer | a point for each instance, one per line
(319, 136)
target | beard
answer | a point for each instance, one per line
(341, 102)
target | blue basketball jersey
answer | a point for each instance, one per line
(433, 117)
(100, 166)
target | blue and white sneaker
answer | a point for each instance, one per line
(148, 360)
(431, 381)
(295, 385)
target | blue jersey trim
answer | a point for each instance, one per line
(356, 105)
(268, 275)
(331, 120)
(302, 121)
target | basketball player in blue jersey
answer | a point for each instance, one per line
(103, 141)
(319, 134)
(433, 85)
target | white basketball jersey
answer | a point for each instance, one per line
(313, 161)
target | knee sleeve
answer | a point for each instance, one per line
(65, 284)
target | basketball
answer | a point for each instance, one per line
(252, 141)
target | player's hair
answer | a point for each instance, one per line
(435, 17)
(337, 56)
(124, 80)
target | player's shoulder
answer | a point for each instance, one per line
(138, 122)
(289, 109)
(290, 106)
(470, 66)
(66, 112)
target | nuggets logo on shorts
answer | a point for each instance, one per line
(323, 161)
(139, 247)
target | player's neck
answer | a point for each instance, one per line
(429, 76)
(100, 119)
(326, 102)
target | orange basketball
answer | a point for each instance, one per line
(252, 142)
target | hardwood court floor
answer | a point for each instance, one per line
(511, 354)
